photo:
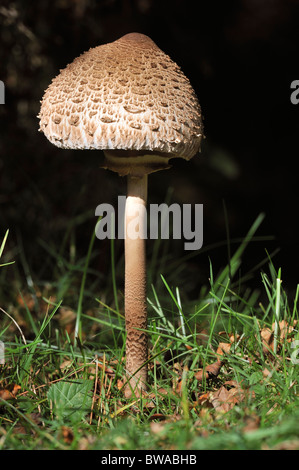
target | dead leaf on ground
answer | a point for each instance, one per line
(210, 372)
(285, 333)
(120, 384)
(224, 348)
(10, 392)
(21, 428)
(226, 398)
(204, 400)
(67, 434)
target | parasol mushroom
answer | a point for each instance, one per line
(129, 99)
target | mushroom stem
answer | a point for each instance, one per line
(135, 285)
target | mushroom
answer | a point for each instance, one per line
(129, 99)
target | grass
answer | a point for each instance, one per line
(223, 367)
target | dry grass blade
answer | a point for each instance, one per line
(13, 320)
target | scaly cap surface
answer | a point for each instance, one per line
(127, 98)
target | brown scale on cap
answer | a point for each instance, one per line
(129, 99)
(127, 95)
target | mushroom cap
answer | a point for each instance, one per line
(129, 99)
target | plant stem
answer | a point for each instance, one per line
(277, 311)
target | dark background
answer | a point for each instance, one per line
(240, 56)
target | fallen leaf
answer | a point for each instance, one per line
(285, 329)
(214, 369)
(224, 348)
(203, 398)
(204, 401)
(285, 332)
(232, 383)
(67, 434)
(20, 428)
(10, 392)
(267, 337)
(210, 372)
(225, 399)
(157, 416)
(120, 383)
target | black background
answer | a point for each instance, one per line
(240, 56)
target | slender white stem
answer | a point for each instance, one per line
(135, 284)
